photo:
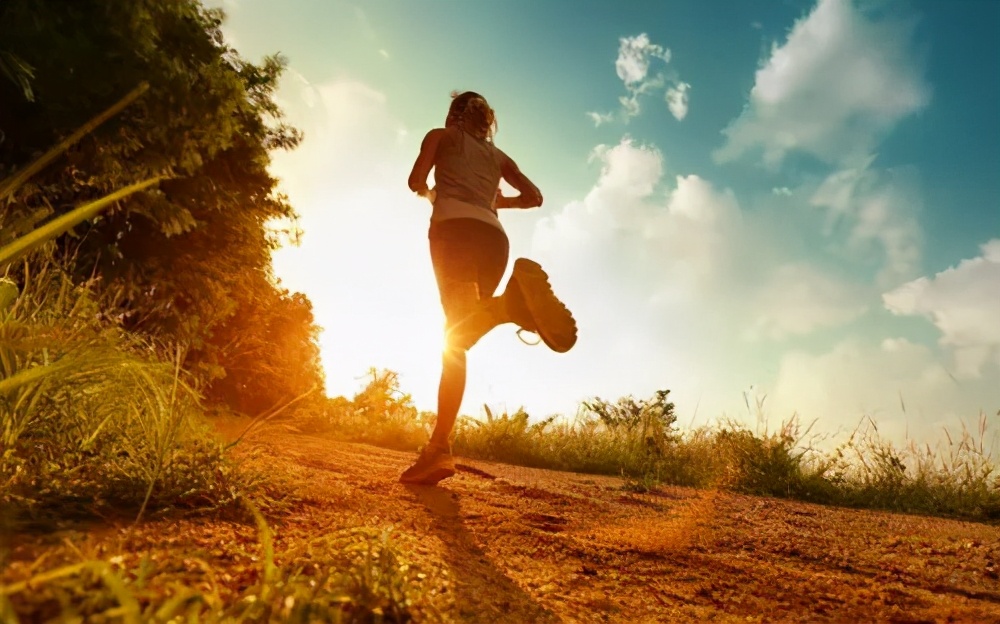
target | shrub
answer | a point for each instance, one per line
(379, 414)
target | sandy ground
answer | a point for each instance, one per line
(526, 545)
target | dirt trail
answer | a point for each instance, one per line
(525, 545)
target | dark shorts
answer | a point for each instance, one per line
(467, 251)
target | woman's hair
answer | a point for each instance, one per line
(471, 111)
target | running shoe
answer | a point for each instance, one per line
(532, 305)
(433, 465)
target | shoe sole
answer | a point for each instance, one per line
(554, 322)
(431, 478)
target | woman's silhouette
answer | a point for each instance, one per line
(469, 252)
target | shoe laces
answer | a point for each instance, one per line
(530, 344)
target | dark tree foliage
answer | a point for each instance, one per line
(189, 262)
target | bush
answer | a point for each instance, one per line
(380, 414)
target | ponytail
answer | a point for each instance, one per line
(472, 113)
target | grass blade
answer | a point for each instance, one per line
(14, 182)
(57, 226)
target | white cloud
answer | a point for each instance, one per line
(383, 53)
(677, 100)
(840, 82)
(654, 277)
(629, 170)
(635, 55)
(798, 299)
(963, 302)
(600, 118)
(633, 266)
(694, 247)
(308, 94)
(900, 384)
(706, 294)
(880, 210)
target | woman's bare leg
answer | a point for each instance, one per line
(451, 390)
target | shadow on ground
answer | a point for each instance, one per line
(485, 593)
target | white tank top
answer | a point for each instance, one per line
(467, 172)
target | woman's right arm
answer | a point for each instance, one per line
(425, 161)
(530, 196)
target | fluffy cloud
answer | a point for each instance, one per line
(682, 242)
(677, 100)
(712, 297)
(635, 54)
(798, 299)
(901, 385)
(664, 270)
(693, 247)
(879, 210)
(600, 118)
(963, 302)
(841, 81)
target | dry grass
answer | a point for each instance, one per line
(638, 441)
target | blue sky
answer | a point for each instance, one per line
(792, 199)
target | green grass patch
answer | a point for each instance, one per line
(92, 420)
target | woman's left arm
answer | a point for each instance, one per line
(425, 161)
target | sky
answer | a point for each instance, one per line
(786, 203)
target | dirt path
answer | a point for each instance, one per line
(524, 545)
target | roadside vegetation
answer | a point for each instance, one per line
(640, 441)
(137, 218)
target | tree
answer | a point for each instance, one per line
(189, 262)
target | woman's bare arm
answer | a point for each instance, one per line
(530, 196)
(425, 161)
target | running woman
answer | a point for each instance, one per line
(469, 252)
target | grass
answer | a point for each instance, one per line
(380, 414)
(93, 421)
(638, 441)
(350, 576)
(958, 479)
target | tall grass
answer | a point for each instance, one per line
(959, 478)
(91, 418)
(956, 477)
(638, 441)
